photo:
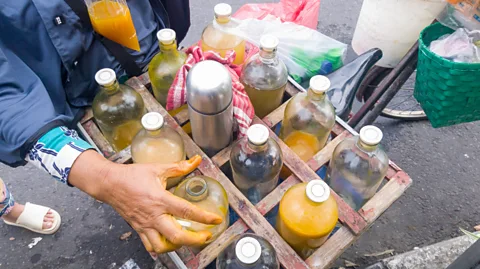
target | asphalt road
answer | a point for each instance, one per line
(442, 162)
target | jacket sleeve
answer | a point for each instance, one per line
(26, 110)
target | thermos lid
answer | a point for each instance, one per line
(371, 135)
(269, 42)
(105, 77)
(209, 87)
(166, 36)
(222, 10)
(152, 121)
(319, 84)
(318, 191)
(258, 134)
(248, 250)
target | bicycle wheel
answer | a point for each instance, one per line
(403, 106)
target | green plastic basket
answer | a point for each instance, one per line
(448, 92)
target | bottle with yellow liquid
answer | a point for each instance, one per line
(209, 195)
(306, 216)
(265, 77)
(256, 161)
(214, 39)
(112, 19)
(309, 118)
(164, 66)
(358, 167)
(118, 110)
(158, 143)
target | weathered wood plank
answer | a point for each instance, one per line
(88, 116)
(98, 138)
(238, 202)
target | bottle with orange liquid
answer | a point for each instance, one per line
(158, 143)
(307, 215)
(118, 110)
(209, 195)
(309, 119)
(214, 39)
(112, 19)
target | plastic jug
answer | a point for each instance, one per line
(158, 143)
(248, 251)
(219, 41)
(393, 26)
(306, 216)
(209, 195)
(358, 167)
(118, 110)
(265, 77)
(256, 161)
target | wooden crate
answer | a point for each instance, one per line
(252, 217)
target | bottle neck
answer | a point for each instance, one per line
(316, 96)
(111, 89)
(196, 189)
(222, 20)
(169, 48)
(256, 148)
(154, 133)
(364, 147)
(268, 57)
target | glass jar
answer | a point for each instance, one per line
(358, 166)
(256, 161)
(163, 68)
(158, 143)
(306, 216)
(209, 195)
(309, 118)
(248, 251)
(265, 77)
(118, 110)
(216, 40)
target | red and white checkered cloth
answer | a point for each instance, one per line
(243, 112)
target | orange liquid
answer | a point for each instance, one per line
(239, 50)
(305, 145)
(304, 224)
(114, 21)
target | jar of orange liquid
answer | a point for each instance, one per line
(112, 19)
(158, 143)
(309, 118)
(214, 39)
(306, 216)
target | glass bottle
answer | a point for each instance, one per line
(118, 110)
(248, 251)
(164, 66)
(265, 77)
(358, 166)
(215, 39)
(209, 195)
(256, 161)
(158, 143)
(306, 216)
(309, 118)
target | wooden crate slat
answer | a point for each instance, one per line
(88, 116)
(237, 201)
(332, 249)
(346, 214)
(98, 138)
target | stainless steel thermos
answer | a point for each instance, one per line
(209, 98)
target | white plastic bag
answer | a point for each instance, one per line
(458, 47)
(306, 52)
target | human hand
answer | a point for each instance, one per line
(137, 192)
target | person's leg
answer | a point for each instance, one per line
(10, 211)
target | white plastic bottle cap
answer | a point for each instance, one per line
(258, 134)
(166, 36)
(371, 135)
(318, 191)
(269, 42)
(319, 84)
(222, 10)
(152, 121)
(105, 77)
(248, 250)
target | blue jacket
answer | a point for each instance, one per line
(47, 70)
